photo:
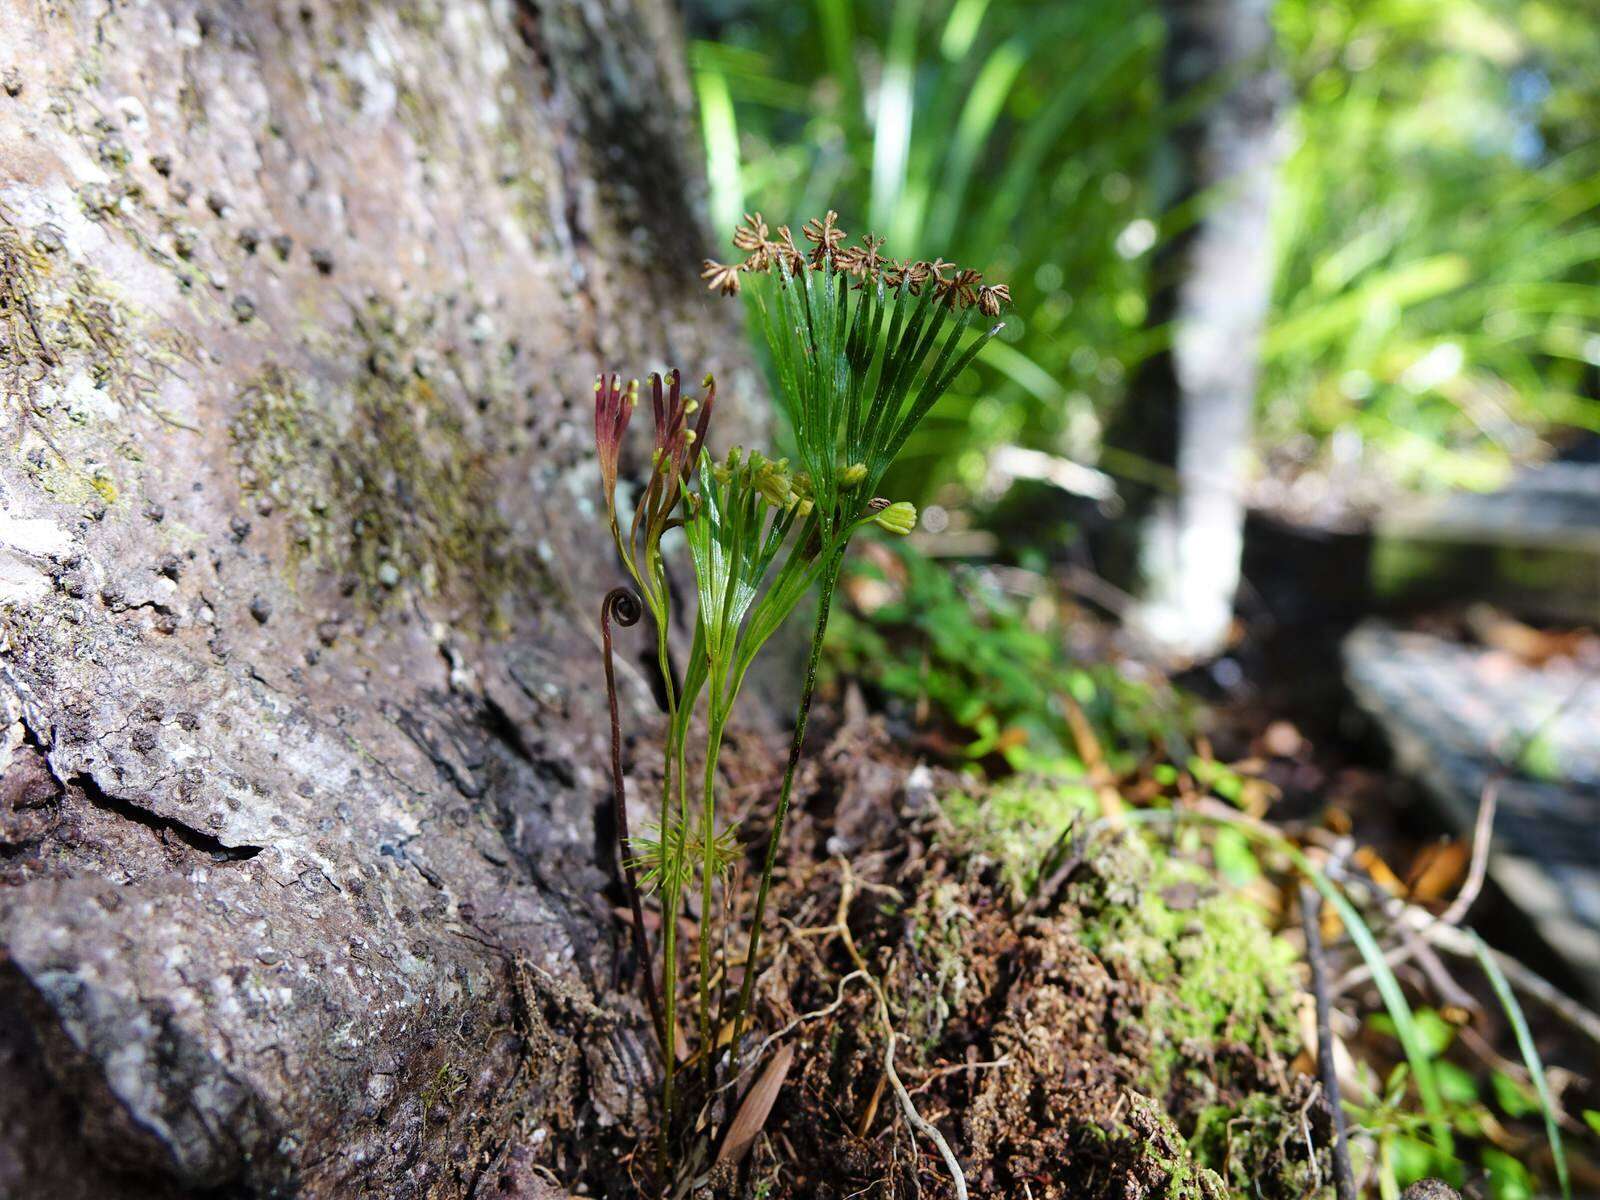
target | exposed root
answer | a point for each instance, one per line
(927, 1128)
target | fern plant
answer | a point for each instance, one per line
(862, 348)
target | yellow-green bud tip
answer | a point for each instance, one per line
(899, 518)
(853, 475)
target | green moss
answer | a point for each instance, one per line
(1149, 1127)
(1016, 822)
(445, 1088)
(1216, 973)
(1258, 1139)
(1210, 991)
(939, 926)
(380, 483)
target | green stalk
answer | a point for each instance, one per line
(671, 771)
(680, 773)
(708, 810)
(669, 900)
(830, 579)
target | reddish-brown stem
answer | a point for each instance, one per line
(622, 605)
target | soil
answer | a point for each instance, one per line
(1051, 1017)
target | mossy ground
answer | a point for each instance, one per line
(1112, 1023)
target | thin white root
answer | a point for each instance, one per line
(917, 1121)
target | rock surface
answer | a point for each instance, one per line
(300, 874)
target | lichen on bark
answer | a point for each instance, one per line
(300, 885)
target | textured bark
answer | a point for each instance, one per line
(300, 874)
(1190, 408)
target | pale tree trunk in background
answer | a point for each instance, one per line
(1190, 409)
(300, 308)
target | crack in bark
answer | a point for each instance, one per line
(162, 826)
(500, 726)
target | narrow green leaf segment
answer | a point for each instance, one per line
(862, 347)
(1530, 1059)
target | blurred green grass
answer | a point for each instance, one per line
(1435, 318)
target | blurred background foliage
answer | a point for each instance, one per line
(1435, 319)
(1434, 324)
(986, 663)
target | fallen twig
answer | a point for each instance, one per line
(1477, 871)
(1584, 1020)
(1448, 937)
(1311, 918)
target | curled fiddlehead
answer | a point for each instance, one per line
(621, 604)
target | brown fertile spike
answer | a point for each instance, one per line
(961, 290)
(721, 277)
(871, 260)
(825, 236)
(991, 297)
(706, 403)
(788, 254)
(848, 259)
(659, 410)
(916, 275)
(824, 232)
(752, 234)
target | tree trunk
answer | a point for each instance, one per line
(300, 870)
(1190, 409)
